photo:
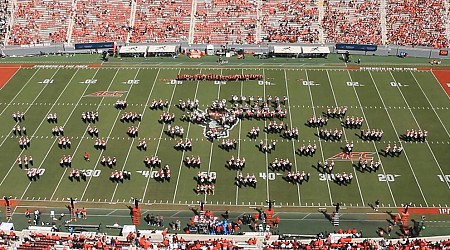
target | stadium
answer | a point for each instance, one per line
(212, 124)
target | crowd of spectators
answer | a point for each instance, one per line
(221, 21)
(355, 21)
(4, 18)
(417, 23)
(162, 21)
(408, 22)
(290, 21)
(40, 21)
(101, 20)
(348, 243)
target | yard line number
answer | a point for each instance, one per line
(444, 178)
(47, 81)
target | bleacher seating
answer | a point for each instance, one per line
(221, 21)
(162, 21)
(4, 18)
(290, 21)
(40, 21)
(352, 22)
(397, 22)
(101, 20)
(417, 23)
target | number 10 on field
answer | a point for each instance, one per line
(444, 178)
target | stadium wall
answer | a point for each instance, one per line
(383, 50)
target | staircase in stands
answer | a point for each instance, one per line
(384, 39)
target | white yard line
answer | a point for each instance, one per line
(291, 127)
(400, 141)
(320, 140)
(139, 124)
(266, 140)
(431, 105)
(367, 122)
(239, 141)
(414, 117)
(14, 98)
(160, 138)
(107, 139)
(212, 141)
(182, 155)
(31, 137)
(84, 131)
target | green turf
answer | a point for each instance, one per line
(422, 104)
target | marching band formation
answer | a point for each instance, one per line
(416, 135)
(152, 162)
(52, 118)
(315, 122)
(192, 161)
(90, 117)
(372, 135)
(393, 151)
(243, 107)
(163, 174)
(236, 163)
(58, 130)
(247, 181)
(158, 104)
(108, 161)
(353, 122)
(77, 174)
(121, 104)
(18, 116)
(142, 145)
(64, 142)
(280, 165)
(297, 177)
(24, 142)
(173, 131)
(330, 134)
(25, 161)
(309, 150)
(132, 131)
(228, 144)
(217, 77)
(17, 130)
(130, 117)
(120, 176)
(188, 104)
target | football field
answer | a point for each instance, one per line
(390, 100)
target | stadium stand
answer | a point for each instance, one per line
(4, 19)
(352, 22)
(36, 22)
(101, 21)
(290, 21)
(221, 21)
(162, 21)
(397, 22)
(417, 23)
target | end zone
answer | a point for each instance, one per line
(6, 73)
(443, 77)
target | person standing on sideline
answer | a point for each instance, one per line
(377, 205)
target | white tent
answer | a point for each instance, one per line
(287, 49)
(162, 48)
(315, 50)
(6, 227)
(133, 50)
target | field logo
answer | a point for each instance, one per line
(353, 156)
(213, 122)
(107, 93)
